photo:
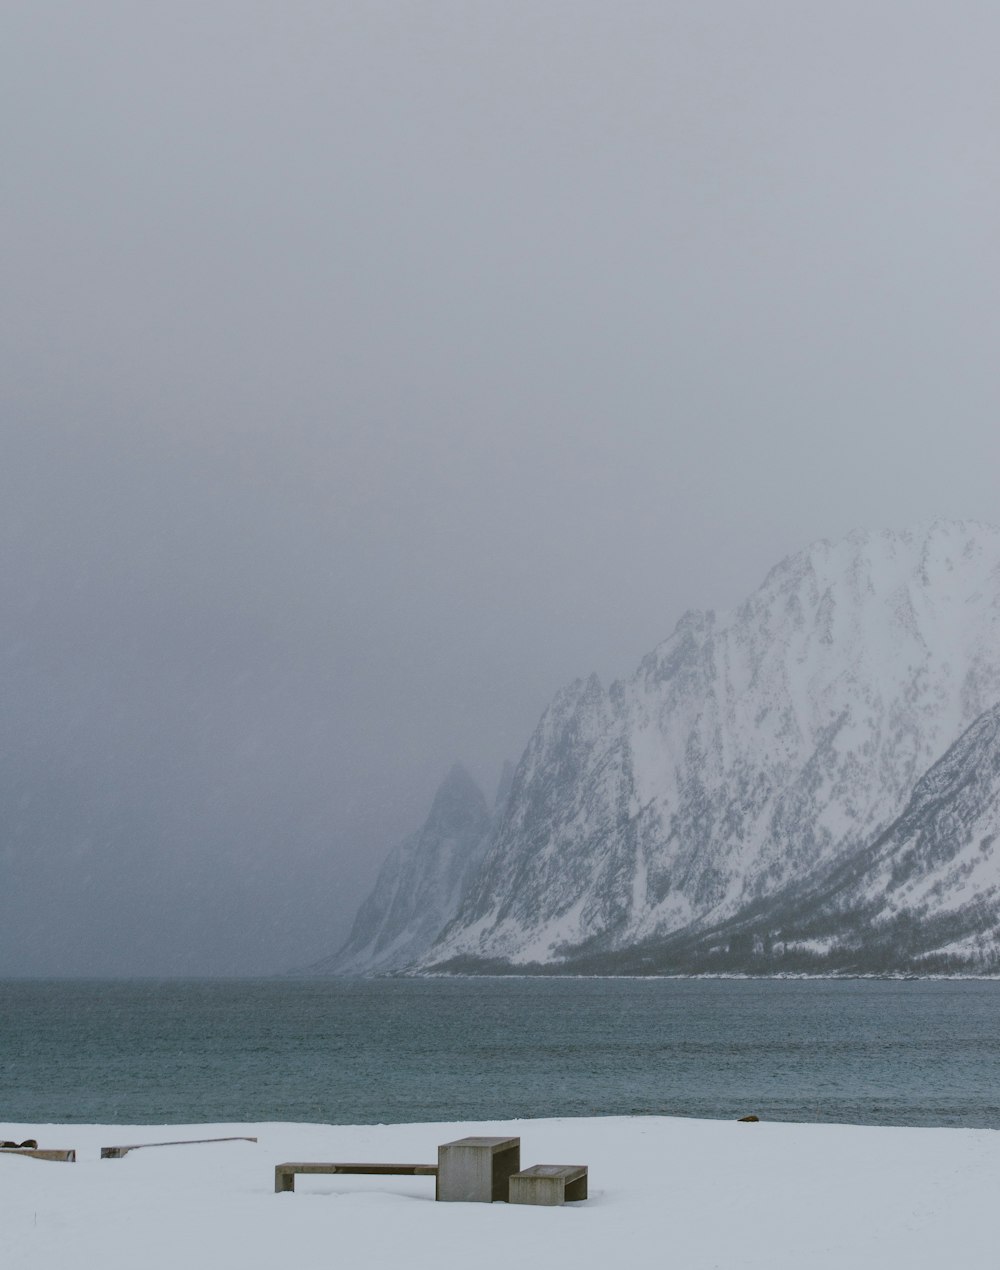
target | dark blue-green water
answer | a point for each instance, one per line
(364, 1051)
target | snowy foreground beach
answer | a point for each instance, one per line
(663, 1192)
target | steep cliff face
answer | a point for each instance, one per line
(421, 884)
(749, 752)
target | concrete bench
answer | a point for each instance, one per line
(477, 1170)
(549, 1184)
(284, 1174)
(470, 1170)
(67, 1157)
(117, 1153)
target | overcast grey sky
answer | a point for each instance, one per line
(370, 370)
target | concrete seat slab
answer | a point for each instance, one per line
(549, 1184)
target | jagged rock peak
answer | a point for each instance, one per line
(421, 884)
(458, 803)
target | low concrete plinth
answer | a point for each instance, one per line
(67, 1157)
(119, 1153)
(549, 1184)
(477, 1170)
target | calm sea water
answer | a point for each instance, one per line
(365, 1051)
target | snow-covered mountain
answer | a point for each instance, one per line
(751, 752)
(421, 884)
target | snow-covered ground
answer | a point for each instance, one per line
(664, 1192)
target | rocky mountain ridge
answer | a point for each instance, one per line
(755, 774)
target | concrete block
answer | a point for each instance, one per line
(549, 1184)
(477, 1170)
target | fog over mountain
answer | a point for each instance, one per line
(368, 373)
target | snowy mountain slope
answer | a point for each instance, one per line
(421, 884)
(923, 897)
(939, 866)
(748, 752)
(926, 893)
